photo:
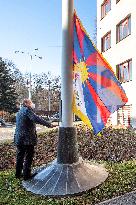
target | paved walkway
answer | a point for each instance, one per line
(126, 199)
(7, 134)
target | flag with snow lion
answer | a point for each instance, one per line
(97, 92)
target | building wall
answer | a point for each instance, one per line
(122, 51)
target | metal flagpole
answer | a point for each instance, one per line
(67, 146)
(67, 63)
(30, 87)
(49, 96)
(68, 174)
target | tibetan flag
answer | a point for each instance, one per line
(97, 92)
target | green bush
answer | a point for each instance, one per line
(116, 148)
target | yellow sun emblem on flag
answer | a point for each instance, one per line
(82, 68)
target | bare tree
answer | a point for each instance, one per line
(46, 91)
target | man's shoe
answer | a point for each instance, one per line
(29, 176)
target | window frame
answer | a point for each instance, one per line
(103, 41)
(103, 9)
(129, 71)
(118, 39)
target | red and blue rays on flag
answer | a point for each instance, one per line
(97, 92)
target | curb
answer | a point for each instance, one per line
(126, 199)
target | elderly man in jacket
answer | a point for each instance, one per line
(26, 138)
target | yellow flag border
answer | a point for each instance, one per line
(78, 112)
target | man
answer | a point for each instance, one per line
(26, 138)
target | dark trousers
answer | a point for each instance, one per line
(24, 159)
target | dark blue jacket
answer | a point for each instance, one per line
(26, 120)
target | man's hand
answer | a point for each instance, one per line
(51, 126)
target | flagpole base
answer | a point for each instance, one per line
(67, 152)
(66, 179)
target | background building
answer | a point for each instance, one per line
(116, 39)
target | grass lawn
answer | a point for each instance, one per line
(116, 148)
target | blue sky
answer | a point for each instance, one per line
(30, 24)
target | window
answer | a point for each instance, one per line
(124, 71)
(124, 29)
(124, 115)
(105, 8)
(117, 1)
(106, 42)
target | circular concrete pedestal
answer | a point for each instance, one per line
(66, 179)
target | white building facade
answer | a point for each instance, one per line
(116, 40)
